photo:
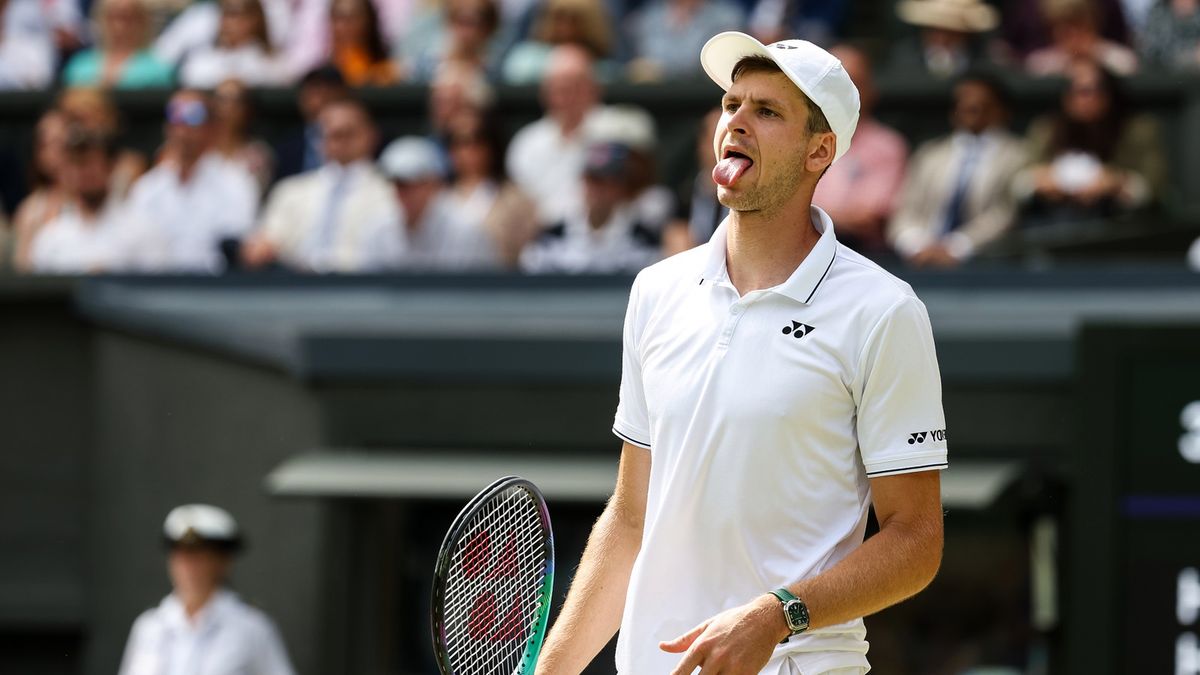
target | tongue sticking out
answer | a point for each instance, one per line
(728, 170)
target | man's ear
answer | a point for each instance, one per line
(821, 150)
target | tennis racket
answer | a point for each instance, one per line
(493, 583)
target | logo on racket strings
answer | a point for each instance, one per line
(482, 561)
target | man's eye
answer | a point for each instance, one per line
(767, 112)
(731, 107)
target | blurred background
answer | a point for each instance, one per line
(335, 265)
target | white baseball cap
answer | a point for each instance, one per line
(816, 72)
(193, 524)
(412, 158)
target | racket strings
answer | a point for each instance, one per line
(494, 586)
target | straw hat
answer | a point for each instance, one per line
(963, 16)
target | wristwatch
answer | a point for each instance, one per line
(795, 612)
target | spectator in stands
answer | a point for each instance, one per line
(335, 218)
(697, 212)
(232, 114)
(950, 36)
(1094, 157)
(668, 34)
(121, 58)
(49, 194)
(480, 193)
(58, 22)
(1075, 34)
(196, 27)
(1171, 37)
(434, 236)
(357, 47)
(582, 23)
(603, 236)
(302, 151)
(958, 195)
(817, 22)
(94, 232)
(196, 199)
(202, 621)
(242, 50)
(465, 35)
(456, 88)
(27, 58)
(1024, 28)
(859, 191)
(92, 109)
(633, 128)
(545, 158)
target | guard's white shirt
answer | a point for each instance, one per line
(225, 637)
(114, 240)
(445, 239)
(218, 201)
(765, 415)
(623, 244)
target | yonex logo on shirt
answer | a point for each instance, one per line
(798, 330)
(920, 436)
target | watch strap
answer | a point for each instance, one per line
(784, 595)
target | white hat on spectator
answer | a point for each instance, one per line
(412, 158)
(628, 125)
(201, 524)
(962, 16)
(813, 70)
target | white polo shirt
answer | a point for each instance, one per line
(765, 416)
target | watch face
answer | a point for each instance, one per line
(797, 616)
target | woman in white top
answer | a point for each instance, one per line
(242, 50)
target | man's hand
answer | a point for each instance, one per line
(934, 255)
(735, 642)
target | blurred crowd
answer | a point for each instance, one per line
(576, 191)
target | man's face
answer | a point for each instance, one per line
(764, 118)
(347, 135)
(975, 108)
(188, 125)
(568, 88)
(88, 173)
(415, 196)
(197, 570)
(602, 195)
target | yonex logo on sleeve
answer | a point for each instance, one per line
(798, 330)
(936, 435)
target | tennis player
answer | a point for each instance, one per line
(775, 386)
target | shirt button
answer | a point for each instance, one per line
(737, 309)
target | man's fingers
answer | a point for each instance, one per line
(681, 643)
(689, 663)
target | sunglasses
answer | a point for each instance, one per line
(189, 113)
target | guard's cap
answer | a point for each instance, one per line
(816, 72)
(412, 158)
(202, 525)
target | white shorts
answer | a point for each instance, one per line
(789, 666)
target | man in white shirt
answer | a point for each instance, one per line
(545, 158)
(775, 385)
(329, 219)
(94, 233)
(202, 628)
(27, 54)
(197, 200)
(606, 234)
(433, 234)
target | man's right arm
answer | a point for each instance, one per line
(592, 613)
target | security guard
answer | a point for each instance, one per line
(202, 628)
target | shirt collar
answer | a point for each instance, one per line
(802, 285)
(210, 615)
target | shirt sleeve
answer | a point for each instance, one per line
(632, 420)
(901, 425)
(272, 656)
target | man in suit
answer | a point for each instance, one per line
(958, 194)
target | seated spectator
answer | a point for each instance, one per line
(201, 612)
(49, 194)
(465, 35)
(335, 218)
(1093, 158)
(545, 158)
(121, 58)
(582, 23)
(92, 109)
(196, 199)
(1171, 37)
(480, 194)
(434, 236)
(958, 195)
(698, 213)
(603, 236)
(196, 27)
(356, 46)
(242, 50)
(668, 34)
(59, 22)
(634, 128)
(232, 114)
(949, 41)
(94, 232)
(27, 56)
(1075, 35)
(818, 22)
(457, 88)
(1024, 28)
(302, 151)
(859, 191)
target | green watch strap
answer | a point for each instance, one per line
(784, 595)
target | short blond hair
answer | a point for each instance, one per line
(597, 33)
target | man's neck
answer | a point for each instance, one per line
(195, 603)
(763, 249)
(187, 168)
(569, 124)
